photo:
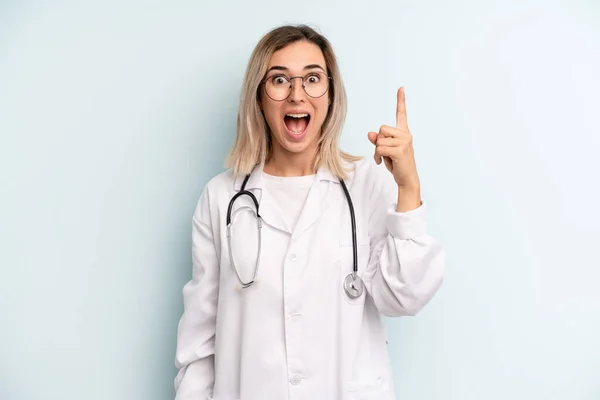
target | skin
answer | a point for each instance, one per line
(291, 157)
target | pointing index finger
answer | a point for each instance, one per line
(401, 122)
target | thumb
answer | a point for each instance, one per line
(373, 137)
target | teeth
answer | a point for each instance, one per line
(297, 115)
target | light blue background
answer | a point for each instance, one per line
(113, 117)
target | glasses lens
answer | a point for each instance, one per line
(316, 84)
(279, 87)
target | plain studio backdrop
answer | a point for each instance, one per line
(114, 115)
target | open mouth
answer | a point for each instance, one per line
(296, 124)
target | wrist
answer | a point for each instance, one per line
(409, 198)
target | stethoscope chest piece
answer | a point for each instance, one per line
(353, 285)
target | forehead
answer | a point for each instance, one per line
(297, 55)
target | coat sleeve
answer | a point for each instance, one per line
(406, 264)
(194, 358)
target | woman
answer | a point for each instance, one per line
(306, 327)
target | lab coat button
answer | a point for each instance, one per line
(295, 380)
(293, 257)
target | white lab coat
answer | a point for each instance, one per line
(294, 334)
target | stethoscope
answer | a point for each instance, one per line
(353, 284)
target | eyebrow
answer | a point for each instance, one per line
(281, 68)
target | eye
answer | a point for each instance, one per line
(278, 80)
(313, 78)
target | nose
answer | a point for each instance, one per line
(297, 91)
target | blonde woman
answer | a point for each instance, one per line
(299, 249)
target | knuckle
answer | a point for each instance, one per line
(382, 128)
(405, 138)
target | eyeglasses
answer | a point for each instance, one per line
(279, 86)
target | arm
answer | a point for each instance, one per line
(406, 265)
(196, 331)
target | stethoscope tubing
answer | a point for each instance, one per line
(353, 285)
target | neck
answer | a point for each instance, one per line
(281, 164)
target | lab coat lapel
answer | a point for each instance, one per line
(316, 201)
(271, 212)
(268, 208)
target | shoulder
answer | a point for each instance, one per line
(217, 187)
(373, 186)
(221, 182)
(367, 175)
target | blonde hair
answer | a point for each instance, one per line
(252, 144)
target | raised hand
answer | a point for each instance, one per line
(395, 147)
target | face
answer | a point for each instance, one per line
(296, 121)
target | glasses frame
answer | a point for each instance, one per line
(291, 79)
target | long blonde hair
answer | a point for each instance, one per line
(252, 144)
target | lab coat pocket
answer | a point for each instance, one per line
(376, 390)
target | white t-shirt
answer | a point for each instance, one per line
(290, 192)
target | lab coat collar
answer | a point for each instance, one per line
(323, 174)
(254, 182)
(316, 201)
